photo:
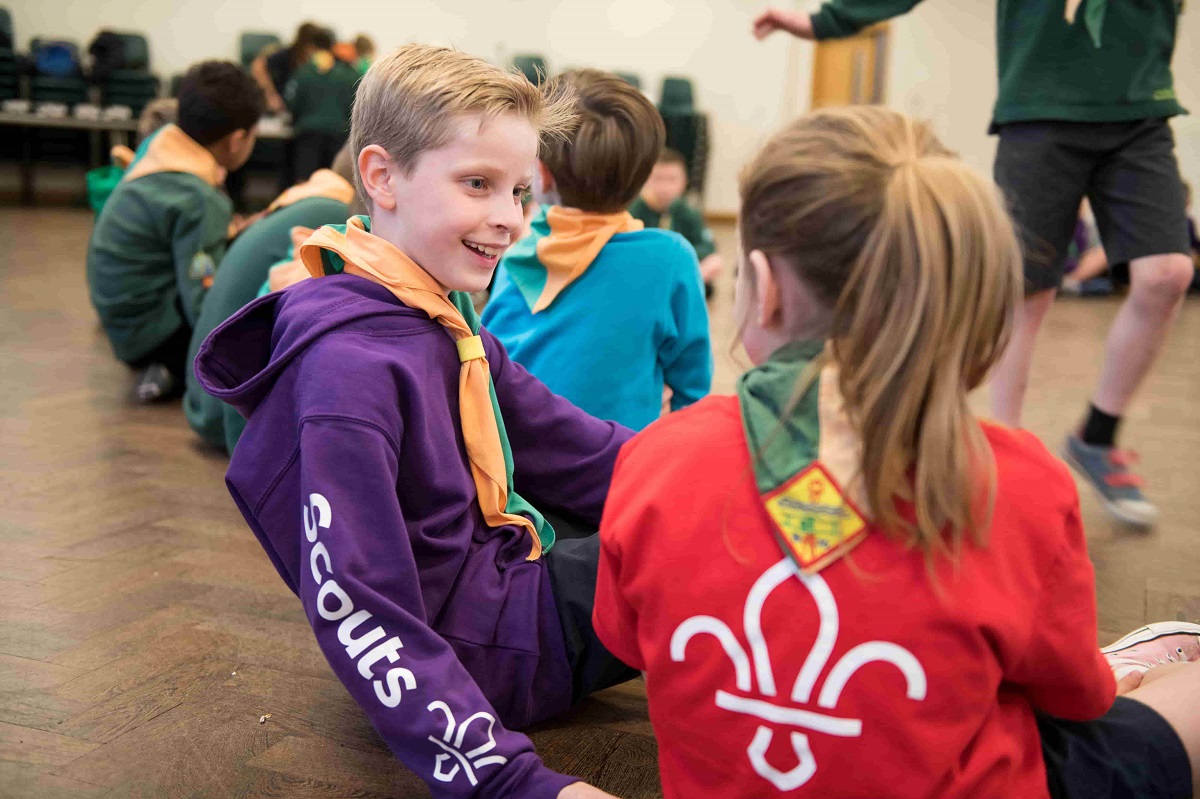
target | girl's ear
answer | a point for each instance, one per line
(768, 305)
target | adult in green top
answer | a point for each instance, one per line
(319, 96)
(661, 205)
(155, 245)
(243, 270)
(1085, 94)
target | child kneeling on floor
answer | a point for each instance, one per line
(839, 577)
(385, 428)
(157, 242)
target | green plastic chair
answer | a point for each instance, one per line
(677, 96)
(633, 79)
(253, 43)
(532, 66)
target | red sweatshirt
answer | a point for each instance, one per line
(868, 679)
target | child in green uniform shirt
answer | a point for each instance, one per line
(319, 97)
(1085, 92)
(155, 245)
(661, 205)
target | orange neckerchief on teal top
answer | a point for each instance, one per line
(561, 245)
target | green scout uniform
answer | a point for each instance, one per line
(156, 244)
(243, 270)
(1120, 71)
(680, 217)
(320, 96)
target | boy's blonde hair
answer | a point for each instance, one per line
(917, 255)
(408, 101)
(605, 164)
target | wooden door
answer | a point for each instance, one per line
(851, 71)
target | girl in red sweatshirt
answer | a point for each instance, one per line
(838, 582)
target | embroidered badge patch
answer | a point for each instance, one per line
(202, 267)
(817, 524)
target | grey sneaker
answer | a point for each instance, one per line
(155, 384)
(1107, 470)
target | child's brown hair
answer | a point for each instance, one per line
(917, 256)
(603, 166)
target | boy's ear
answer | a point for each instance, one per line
(375, 171)
(545, 177)
(768, 305)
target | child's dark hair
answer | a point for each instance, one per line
(604, 164)
(215, 99)
(323, 39)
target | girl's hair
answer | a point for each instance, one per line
(916, 255)
(302, 44)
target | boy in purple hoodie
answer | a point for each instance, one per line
(386, 428)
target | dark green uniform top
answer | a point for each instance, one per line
(680, 217)
(320, 102)
(1051, 69)
(153, 248)
(243, 270)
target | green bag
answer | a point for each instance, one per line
(100, 184)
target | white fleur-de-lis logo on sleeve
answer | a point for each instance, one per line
(757, 666)
(467, 762)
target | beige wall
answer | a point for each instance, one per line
(942, 60)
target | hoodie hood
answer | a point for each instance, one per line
(240, 361)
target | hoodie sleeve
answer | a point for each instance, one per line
(685, 352)
(360, 590)
(562, 456)
(839, 18)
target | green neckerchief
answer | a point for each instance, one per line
(462, 300)
(815, 523)
(780, 449)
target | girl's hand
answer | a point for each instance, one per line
(796, 23)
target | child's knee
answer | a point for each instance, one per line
(1162, 278)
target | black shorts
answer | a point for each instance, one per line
(573, 562)
(1130, 752)
(1128, 172)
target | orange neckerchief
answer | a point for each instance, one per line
(379, 261)
(174, 151)
(576, 238)
(121, 155)
(323, 183)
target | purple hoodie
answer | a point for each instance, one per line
(353, 475)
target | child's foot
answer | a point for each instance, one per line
(1153, 645)
(1106, 469)
(155, 384)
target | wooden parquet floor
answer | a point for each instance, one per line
(144, 634)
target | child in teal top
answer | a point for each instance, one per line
(604, 312)
(157, 241)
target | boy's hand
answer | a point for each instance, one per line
(796, 23)
(581, 790)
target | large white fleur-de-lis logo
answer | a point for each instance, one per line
(460, 760)
(782, 715)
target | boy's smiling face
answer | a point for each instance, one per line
(460, 207)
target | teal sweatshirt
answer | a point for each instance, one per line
(243, 270)
(632, 323)
(1050, 69)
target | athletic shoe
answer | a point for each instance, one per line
(155, 384)
(1107, 470)
(1153, 645)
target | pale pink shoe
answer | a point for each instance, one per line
(1153, 645)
